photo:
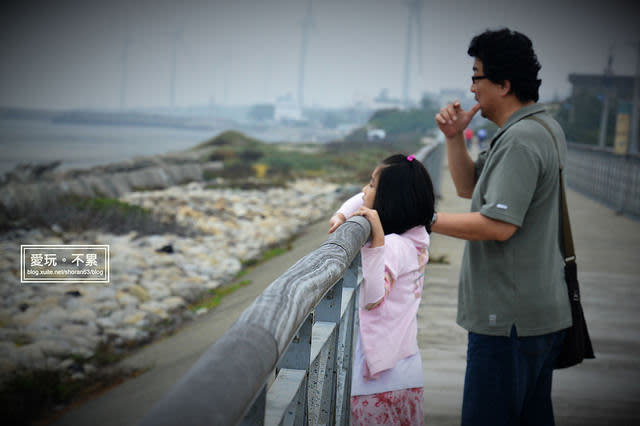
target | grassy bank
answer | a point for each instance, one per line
(246, 158)
(29, 397)
(78, 214)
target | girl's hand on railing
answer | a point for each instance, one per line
(335, 221)
(377, 233)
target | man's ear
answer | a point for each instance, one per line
(505, 88)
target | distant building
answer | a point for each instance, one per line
(618, 87)
(382, 101)
(446, 96)
(286, 109)
(621, 86)
(376, 134)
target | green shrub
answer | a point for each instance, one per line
(79, 214)
(232, 138)
(224, 154)
(251, 155)
(27, 395)
(236, 169)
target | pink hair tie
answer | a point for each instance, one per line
(411, 158)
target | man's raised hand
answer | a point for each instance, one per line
(452, 119)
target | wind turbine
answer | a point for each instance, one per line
(124, 61)
(307, 27)
(415, 8)
(176, 36)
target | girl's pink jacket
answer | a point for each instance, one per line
(395, 274)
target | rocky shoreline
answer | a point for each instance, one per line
(154, 278)
(31, 186)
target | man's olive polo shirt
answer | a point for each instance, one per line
(520, 281)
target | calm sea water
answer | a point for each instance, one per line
(79, 146)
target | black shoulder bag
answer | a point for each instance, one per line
(577, 344)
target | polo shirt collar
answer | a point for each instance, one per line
(517, 116)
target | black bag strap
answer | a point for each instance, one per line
(569, 251)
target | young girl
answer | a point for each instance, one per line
(387, 384)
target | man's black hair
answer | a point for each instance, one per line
(404, 197)
(508, 55)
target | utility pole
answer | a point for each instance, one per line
(172, 81)
(604, 117)
(177, 36)
(307, 25)
(415, 8)
(634, 144)
(123, 62)
(407, 56)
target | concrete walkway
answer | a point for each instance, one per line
(605, 391)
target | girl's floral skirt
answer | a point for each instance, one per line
(400, 407)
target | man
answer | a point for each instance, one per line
(512, 295)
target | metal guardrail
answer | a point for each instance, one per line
(432, 156)
(612, 179)
(287, 359)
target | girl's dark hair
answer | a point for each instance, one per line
(404, 197)
(508, 55)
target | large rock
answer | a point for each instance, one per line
(137, 318)
(139, 292)
(83, 316)
(58, 347)
(49, 320)
(190, 289)
(157, 290)
(124, 298)
(30, 356)
(155, 308)
(128, 336)
(173, 304)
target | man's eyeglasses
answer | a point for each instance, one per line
(475, 78)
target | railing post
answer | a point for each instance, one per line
(297, 357)
(351, 279)
(624, 169)
(255, 416)
(328, 310)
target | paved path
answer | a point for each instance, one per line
(605, 391)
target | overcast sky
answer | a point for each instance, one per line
(68, 54)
